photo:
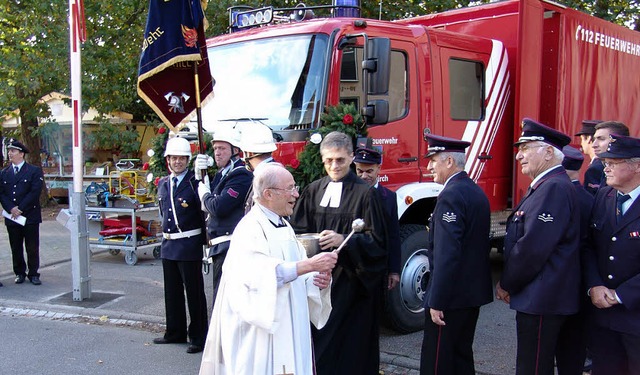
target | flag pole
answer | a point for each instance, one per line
(196, 80)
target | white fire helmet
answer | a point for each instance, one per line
(227, 134)
(178, 147)
(257, 138)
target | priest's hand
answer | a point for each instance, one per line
(329, 239)
(324, 262)
(322, 280)
(321, 262)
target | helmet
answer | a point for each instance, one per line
(178, 147)
(226, 134)
(257, 138)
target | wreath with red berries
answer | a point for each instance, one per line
(344, 118)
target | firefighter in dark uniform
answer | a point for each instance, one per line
(593, 174)
(223, 198)
(20, 187)
(541, 277)
(613, 268)
(571, 350)
(181, 251)
(461, 272)
(367, 162)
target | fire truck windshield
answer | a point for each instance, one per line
(279, 80)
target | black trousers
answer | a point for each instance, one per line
(537, 340)
(614, 352)
(449, 349)
(181, 277)
(29, 235)
(571, 349)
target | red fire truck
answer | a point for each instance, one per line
(471, 73)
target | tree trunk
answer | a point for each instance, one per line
(33, 143)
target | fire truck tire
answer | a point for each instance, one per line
(404, 311)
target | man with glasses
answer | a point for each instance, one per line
(612, 269)
(541, 277)
(270, 290)
(348, 343)
(600, 142)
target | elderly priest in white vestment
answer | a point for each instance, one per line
(269, 291)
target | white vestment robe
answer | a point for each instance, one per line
(257, 327)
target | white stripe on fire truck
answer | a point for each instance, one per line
(482, 134)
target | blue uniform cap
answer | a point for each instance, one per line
(14, 143)
(621, 147)
(443, 144)
(367, 156)
(534, 131)
(588, 127)
(572, 158)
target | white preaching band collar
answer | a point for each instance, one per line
(332, 195)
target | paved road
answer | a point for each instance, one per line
(112, 330)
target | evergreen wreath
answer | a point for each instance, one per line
(344, 118)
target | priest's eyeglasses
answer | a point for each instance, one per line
(290, 190)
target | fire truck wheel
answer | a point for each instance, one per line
(404, 311)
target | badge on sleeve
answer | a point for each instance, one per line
(545, 217)
(449, 217)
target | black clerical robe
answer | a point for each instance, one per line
(348, 344)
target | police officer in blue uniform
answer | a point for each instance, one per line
(181, 250)
(20, 187)
(461, 272)
(541, 277)
(571, 350)
(223, 198)
(613, 268)
(367, 162)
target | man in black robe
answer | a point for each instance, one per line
(348, 343)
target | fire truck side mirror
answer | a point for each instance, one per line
(376, 65)
(376, 112)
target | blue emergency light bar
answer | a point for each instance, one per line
(243, 16)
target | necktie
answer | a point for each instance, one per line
(620, 199)
(175, 184)
(16, 169)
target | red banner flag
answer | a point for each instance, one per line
(173, 41)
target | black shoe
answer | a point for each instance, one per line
(0, 284)
(194, 349)
(35, 280)
(162, 340)
(19, 279)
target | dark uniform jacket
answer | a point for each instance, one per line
(390, 204)
(594, 177)
(615, 261)
(190, 217)
(225, 204)
(542, 258)
(22, 190)
(459, 239)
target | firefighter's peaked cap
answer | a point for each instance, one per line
(178, 147)
(257, 138)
